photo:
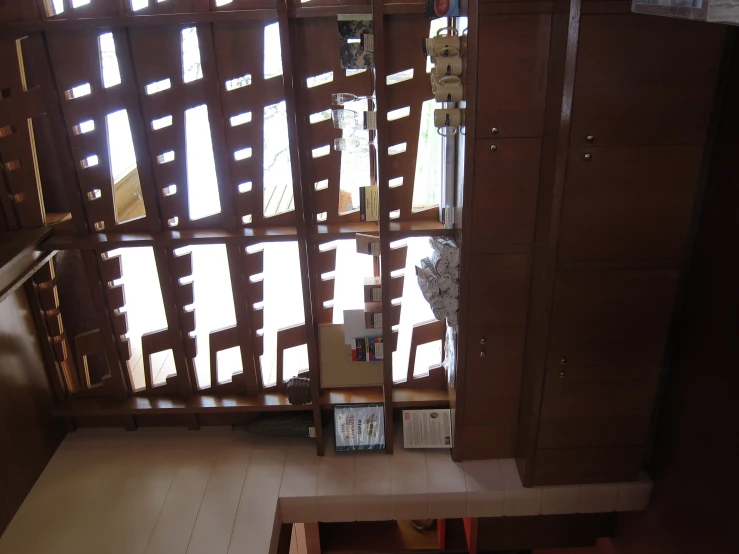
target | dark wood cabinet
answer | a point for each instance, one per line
(588, 407)
(629, 203)
(499, 283)
(644, 80)
(587, 164)
(512, 75)
(611, 317)
(506, 185)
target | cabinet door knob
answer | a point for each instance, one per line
(589, 138)
(493, 148)
(588, 157)
(483, 340)
(562, 374)
(482, 353)
(495, 130)
(563, 361)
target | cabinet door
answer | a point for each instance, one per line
(611, 317)
(499, 293)
(597, 406)
(629, 203)
(506, 185)
(512, 75)
(644, 80)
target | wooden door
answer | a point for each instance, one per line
(597, 406)
(512, 75)
(629, 203)
(611, 317)
(505, 190)
(499, 292)
(644, 80)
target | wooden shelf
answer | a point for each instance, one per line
(347, 230)
(402, 398)
(157, 405)
(403, 229)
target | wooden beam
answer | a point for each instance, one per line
(170, 239)
(382, 177)
(302, 219)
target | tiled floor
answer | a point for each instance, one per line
(171, 491)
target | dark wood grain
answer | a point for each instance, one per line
(611, 317)
(512, 75)
(506, 185)
(556, 148)
(500, 286)
(597, 406)
(585, 465)
(552, 531)
(629, 203)
(645, 80)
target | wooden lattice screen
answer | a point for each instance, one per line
(75, 70)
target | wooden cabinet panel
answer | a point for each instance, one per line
(597, 406)
(512, 75)
(644, 80)
(611, 317)
(506, 186)
(629, 203)
(482, 442)
(567, 466)
(499, 290)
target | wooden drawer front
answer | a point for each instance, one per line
(597, 406)
(611, 317)
(629, 203)
(644, 80)
(569, 466)
(499, 291)
(506, 186)
(512, 75)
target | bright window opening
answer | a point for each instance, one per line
(158, 86)
(191, 67)
(144, 309)
(278, 177)
(202, 183)
(272, 51)
(427, 182)
(395, 78)
(161, 123)
(238, 82)
(355, 164)
(109, 61)
(351, 269)
(414, 310)
(325, 115)
(127, 197)
(214, 305)
(282, 305)
(78, 91)
(240, 119)
(321, 79)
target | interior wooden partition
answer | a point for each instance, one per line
(56, 173)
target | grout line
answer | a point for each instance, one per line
(205, 491)
(238, 508)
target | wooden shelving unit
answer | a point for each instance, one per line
(225, 33)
